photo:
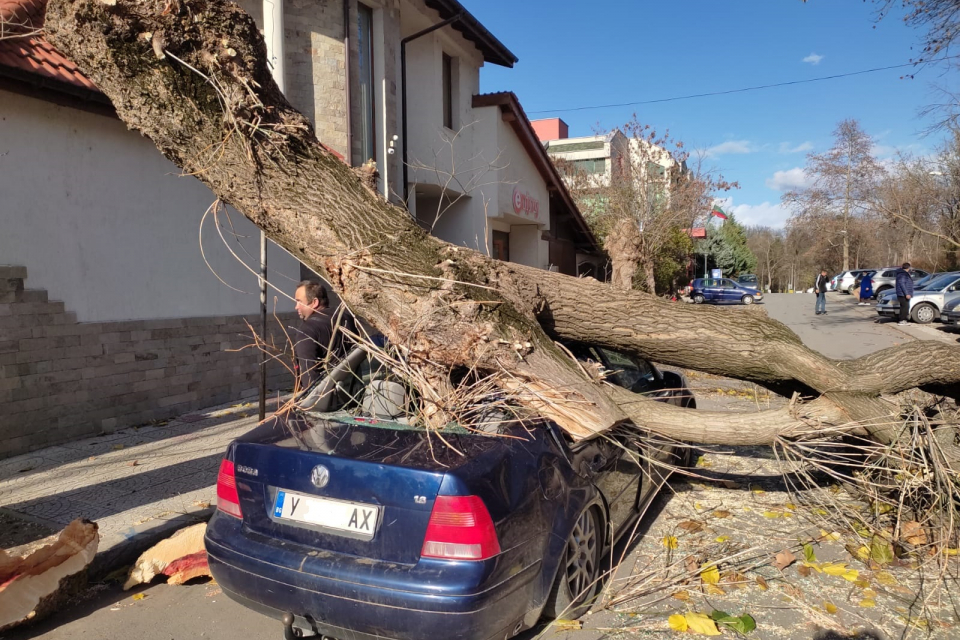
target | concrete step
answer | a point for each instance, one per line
(12, 272)
(33, 295)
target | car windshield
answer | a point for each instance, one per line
(747, 279)
(940, 283)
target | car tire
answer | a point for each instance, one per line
(578, 578)
(747, 299)
(851, 288)
(924, 313)
(698, 299)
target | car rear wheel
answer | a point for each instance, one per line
(747, 299)
(924, 313)
(698, 299)
(851, 289)
(577, 581)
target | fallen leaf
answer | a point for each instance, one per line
(829, 536)
(678, 622)
(808, 553)
(139, 596)
(691, 564)
(740, 624)
(885, 578)
(834, 568)
(720, 513)
(791, 506)
(722, 538)
(683, 596)
(850, 575)
(670, 542)
(691, 525)
(132, 463)
(784, 559)
(830, 608)
(881, 551)
(863, 584)
(772, 514)
(730, 484)
(869, 593)
(912, 533)
(735, 580)
(714, 590)
(562, 624)
(701, 623)
(762, 583)
(757, 489)
(861, 553)
(710, 574)
(866, 603)
(804, 570)
(950, 552)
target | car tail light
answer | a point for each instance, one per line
(460, 528)
(228, 500)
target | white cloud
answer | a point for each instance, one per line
(813, 59)
(791, 179)
(766, 214)
(800, 148)
(730, 147)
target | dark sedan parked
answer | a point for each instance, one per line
(347, 521)
(722, 291)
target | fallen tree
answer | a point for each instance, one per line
(192, 76)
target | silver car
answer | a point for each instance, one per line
(886, 278)
(847, 281)
(951, 313)
(927, 302)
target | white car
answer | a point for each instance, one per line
(927, 301)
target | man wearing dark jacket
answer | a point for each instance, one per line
(820, 288)
(904, 291)
(314, 336)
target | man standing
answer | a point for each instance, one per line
(904, 291)
(820, 288)
(312, 339)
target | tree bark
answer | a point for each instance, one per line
(622, 244)
(194, 79)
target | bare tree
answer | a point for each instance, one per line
(652, 189)
(843, 179)
(768, 245)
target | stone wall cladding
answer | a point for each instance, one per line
(61, 380)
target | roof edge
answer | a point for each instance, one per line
(493, 50)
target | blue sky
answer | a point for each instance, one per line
(574, 53)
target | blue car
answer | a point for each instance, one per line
(722, 291)
(343, 519)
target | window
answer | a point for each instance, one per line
(368, 149)
(449, 87)
(590, 165)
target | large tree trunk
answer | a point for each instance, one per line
(622, 244)
(193, 78)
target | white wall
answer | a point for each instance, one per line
(104, 223)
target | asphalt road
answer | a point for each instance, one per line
(847, 331)
(166, 612)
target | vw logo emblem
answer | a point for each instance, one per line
(320, 476)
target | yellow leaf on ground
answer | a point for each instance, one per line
(710, 574)
(870, 594)
(829, 536)
(683, 596)
(834, 568)
(757, 489)
(885, 578)
(714, 590)
(863, 584)
(850, 575)
(950, 552)
(867, 603)
(830, 608)
(678, 622)
(721, 514)
(670, 542)
(791, 506)
(701, 623)
(772, 514)
(722, 538)
(813, 565)
(562, 624)
(139, 596)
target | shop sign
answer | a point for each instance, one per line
(525, 204)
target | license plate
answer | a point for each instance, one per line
(349, 517)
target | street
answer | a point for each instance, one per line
(201, 610)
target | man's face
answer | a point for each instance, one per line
(305, 309)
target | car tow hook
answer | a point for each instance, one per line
(291, 633)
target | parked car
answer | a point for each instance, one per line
(344, 519)
(886, 278)
(748, 280)
(832, 285)
(951, 313)
(927, 302)
(722, 291)
(847, 280)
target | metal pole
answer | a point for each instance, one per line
(263, 324)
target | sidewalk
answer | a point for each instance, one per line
(139, 484)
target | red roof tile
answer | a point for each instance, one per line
(29, 53)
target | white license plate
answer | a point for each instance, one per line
(350, 517)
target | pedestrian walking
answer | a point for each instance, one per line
(866, 289)
(820, 288)
(904, 291)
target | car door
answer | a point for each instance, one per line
(711, 290)
(730, 292)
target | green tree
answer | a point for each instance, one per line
(726, 248)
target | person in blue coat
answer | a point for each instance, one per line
(866, 289)
(904, 291)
